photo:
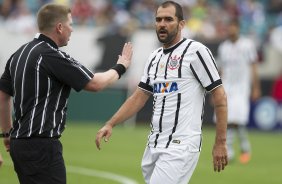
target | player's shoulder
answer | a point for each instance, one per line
(194, 45)
(223, 45)
(245, 38)
(155, 52)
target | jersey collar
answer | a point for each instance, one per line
(168, 50)
(44, 38)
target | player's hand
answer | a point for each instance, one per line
(1, 160)
(6, 141)
(104, 133)
(126, 55)
(256, 94)
(219, 154)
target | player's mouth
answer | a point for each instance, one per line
(162, 33)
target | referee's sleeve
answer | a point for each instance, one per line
(6, 80)
(69, 71)
(205, 70)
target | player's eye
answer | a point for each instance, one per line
(158, 19)
(168, 19)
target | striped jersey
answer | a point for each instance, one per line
(39, 77)
(234, 61)
(178, 77)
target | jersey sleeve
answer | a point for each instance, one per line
(145, 83)
(6, 79)
(219, 60)
(251, 52)
(69, 71)
(205, 70)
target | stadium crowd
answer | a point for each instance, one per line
(206, 20)
(206, 17)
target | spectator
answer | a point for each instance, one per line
(277, 89)
(83, 12)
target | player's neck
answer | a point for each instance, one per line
(234, 39)
(168, 46)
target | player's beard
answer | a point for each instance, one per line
(170, 36)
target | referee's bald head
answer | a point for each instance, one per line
(178, 9)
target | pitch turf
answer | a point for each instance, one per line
(122, 156)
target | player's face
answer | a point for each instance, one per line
(66, 31)
(233, 32)
(168, 28)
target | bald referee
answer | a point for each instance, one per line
(178, 75)
(39, 78)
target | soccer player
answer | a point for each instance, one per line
(39, 77)
(237, 58)
(177, 75)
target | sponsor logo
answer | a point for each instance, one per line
(174, 62)
(167, 87)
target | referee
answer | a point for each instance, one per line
(39, 78)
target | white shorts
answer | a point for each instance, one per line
(168, 165)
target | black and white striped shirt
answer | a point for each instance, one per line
(39, 77)
(178, 78)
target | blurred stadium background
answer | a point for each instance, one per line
(100, 29)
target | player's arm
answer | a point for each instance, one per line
(5, 116)
(219, 152)
(104, 79)
(130, 107)
(256, 92)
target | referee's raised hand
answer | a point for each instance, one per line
(126, 55)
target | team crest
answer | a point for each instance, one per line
(174, 62)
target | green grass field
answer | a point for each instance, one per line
(119, 160)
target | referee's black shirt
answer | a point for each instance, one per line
(39, 77)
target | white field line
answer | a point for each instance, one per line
(100, 174)
(94, 173)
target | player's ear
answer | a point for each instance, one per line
(182, 24)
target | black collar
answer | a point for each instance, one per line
(168, 50)
(44, 38)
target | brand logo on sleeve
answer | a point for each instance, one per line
(167, 87)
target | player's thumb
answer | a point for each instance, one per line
(107, 137)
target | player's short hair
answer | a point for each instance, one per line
(50, 14)
(178, 8)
